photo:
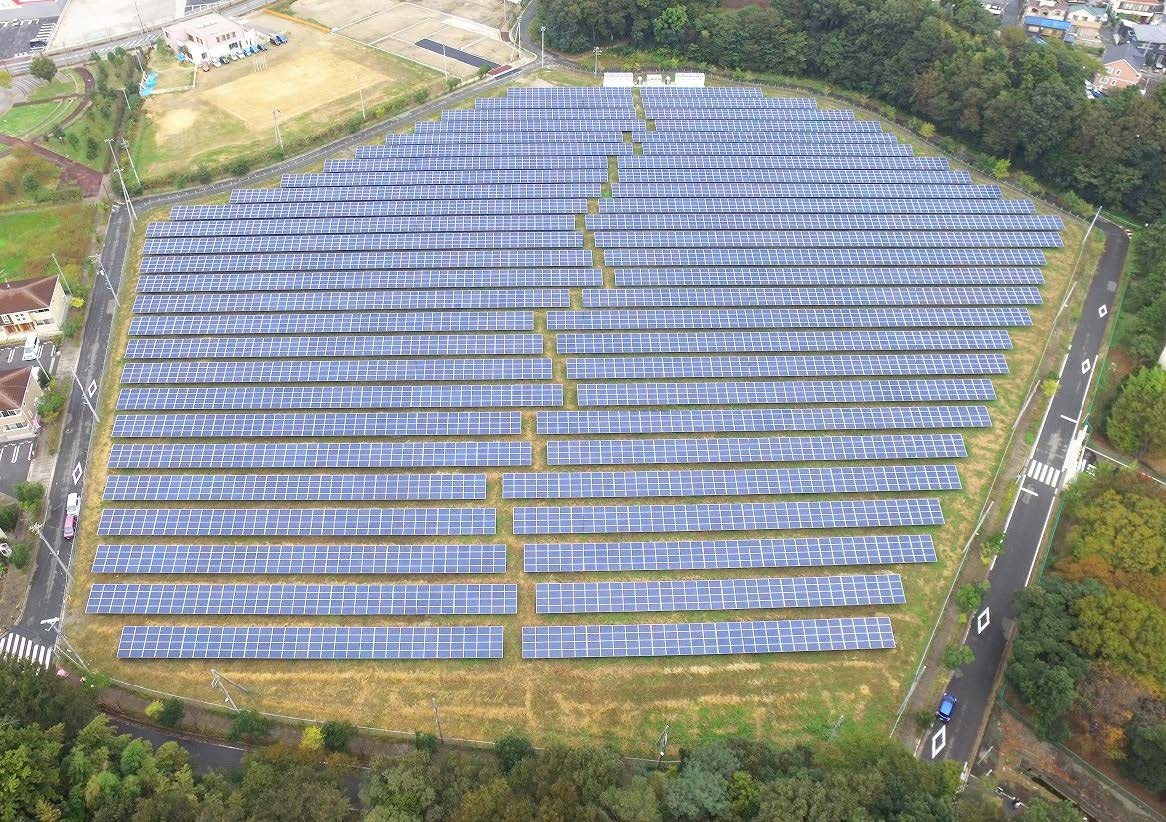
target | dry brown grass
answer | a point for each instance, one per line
(621, 701)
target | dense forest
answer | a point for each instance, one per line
(60, 760)
(1005, 94)
(1089, 659)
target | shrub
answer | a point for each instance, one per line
(970, 597)
(426, 743)
(8, 517)
(312, 738)
(42, 378)
(154, 709)
(30, 495)
(993, 546)
(22, 552)
(238, 167)
(957, 656)
(511, 750)
(338, 735)
(250, 726)
(173, 710)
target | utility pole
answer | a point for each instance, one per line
(278, 137)
(64, 284)
(126, 95)
(112, 290)
(85, 397)
(437, 719)
(129, 156)
(38, 529)
(542, 34)
(444, 62)
(363, 116)
(121, 178)
(598, 51)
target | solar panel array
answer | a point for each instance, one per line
(329, 377)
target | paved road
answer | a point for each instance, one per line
(973, 686)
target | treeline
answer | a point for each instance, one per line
(61, 761)
(1089, 658)
(1004, 95)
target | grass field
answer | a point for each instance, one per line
(622, 701)
(66, 82)
(34, 120)
(314, 81)
(28, 238)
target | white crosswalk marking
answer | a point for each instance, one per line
(23, 648)
(1045, 474)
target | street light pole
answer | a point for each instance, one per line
(64, 284)
(444, 62)
(38, 529)
(85, 398)
(278, 136)
(121, 178)
(598, 51)
(109, 283)
(542, 34)
(129, 156)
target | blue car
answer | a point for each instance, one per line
(946, 708)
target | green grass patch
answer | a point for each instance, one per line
(66, 82)
(30, 121)
(28, 239)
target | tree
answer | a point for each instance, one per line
(405, 787)
(1124, 631)
(51, 403)
(1001, 169)
(993, 547)
(671, 27)
(30, 495)
(312, 738)
(283, 784)
(173, 710)
(1137, 421)
(31, 694)
(1145, 752)
(29, 775)
(957, 656)
(338, 735)
(30, 184)
(970, 597)
(249, 725)
(425, 742)
(43, 68)
(1122, 525)
(5, 78)
(1042, 810)
(511, 750)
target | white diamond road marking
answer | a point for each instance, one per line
(15, 645)
(1045, 474)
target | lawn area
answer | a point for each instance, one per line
(34, 120)
(315, 82)
(66, 82)
(28, 239)
(84, 139)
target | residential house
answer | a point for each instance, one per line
(208, 37)
(1138, 11)
(1151, 40)
(30, 307)
(1122, 67)
(1047, 18)
(19, 393)
(1085, 23)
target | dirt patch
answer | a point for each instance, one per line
(176, 121)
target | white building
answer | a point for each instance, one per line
(30, 307)
(208, 37)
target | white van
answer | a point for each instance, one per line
(31, 349)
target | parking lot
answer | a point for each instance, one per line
(16, 34)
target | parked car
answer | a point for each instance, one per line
(274, 40)
(946, 708)
(282, 38)
(69, 530)
(206, 65)
(260, 47)
(73, 504)
(31, 349)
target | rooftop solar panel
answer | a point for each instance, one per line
(294, 487)
(702, 638)
(795, 552)
(316, 642)
(717, 594)
(288, 455)
(725, 420)
(728, 516)
(766, 449)
(790, 392)
(303, 600)
(296, 522)
(300, 559)
(327, 424)
(341, 396)
(730, 482)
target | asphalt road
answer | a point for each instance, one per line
(973, 685)
(16, 34)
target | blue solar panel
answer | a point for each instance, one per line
(491, 177)
(327, 424)
(634, 257)
(748, 190)
(173, 456)
(367, 300)
(421, 345)
(815, 160)
(747, 146)
(249, 244)
(643, 368)
(487, 144)
(763, 419)
(792, 392)
(631, 174)
(361, 225)
(360, 260)
(290, 371)
(154, 325)
(913, 221)
(828, 296)
(748, 341)
(826, 239)
(300, 559)
(811, 204)
(317, 642)
(532, 191)
(295, 487)
(407, 166)
(702, 638)
(301, 522)
(796, 552)
(739, 318)
(766, 449)
(373, 208)
(717, 594)
(727, 275)
(730, 482)
(303, 600)
(728, 516)
(357, 280)
(343, 396)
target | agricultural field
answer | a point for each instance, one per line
(314, 81)
(29, 238)
(624, 701)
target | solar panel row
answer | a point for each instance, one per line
(173, 456)
(855, 221)
(790, 392)
(814, 202)
(359, 280)
(255, 244)
(342, 396)
(304, 224)
(420, 345)
(294, 487)
(325, 323)
(364, 300)
(359, 261)
(296, 522)
(740, 318)
(642, 368)
(330, 371)
(327, 424)
(851, 275)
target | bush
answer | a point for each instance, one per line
(512, 749)
(30, 495)
(970, 597)
(154, 709)
(993, 547)
(8, 517)
(30, 184)
(238, 167)
(173, 710)
(312, 738)
(42, 379)
(51, 403)
(22, 552)
(338, 735)
(43, 67)
(250, 726)
(426, 743)
(957, 656)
